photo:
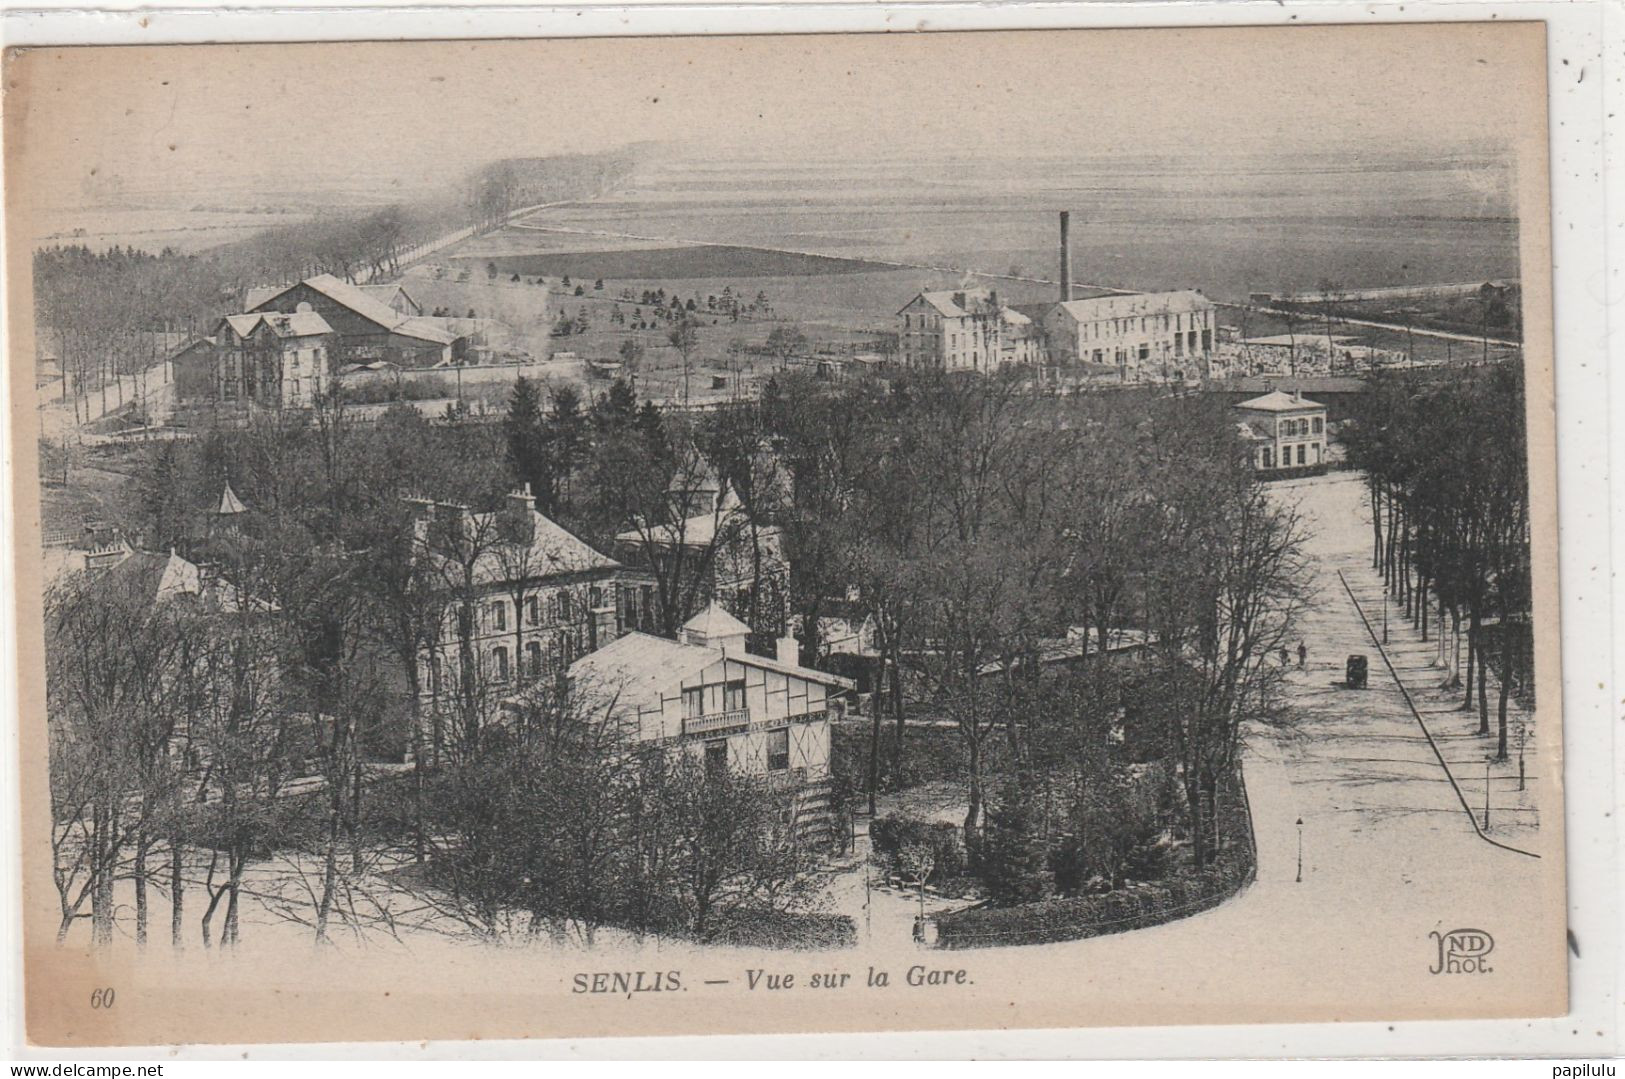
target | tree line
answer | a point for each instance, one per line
(1446, 467)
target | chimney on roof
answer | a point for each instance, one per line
(1297, 394)
(519, 524)
(1066, 255)
(788, 651)
(522, 500)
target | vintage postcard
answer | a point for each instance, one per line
(557, 538)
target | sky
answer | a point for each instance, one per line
(94, 126)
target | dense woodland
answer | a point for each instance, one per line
(974, 524)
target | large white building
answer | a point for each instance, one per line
(1283, 430)
(965, 330)
(1142, 336)
(1145, 335)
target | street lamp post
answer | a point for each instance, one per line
(1385, 616)
(1523, 731)
(1300, 850)
(1487, 793)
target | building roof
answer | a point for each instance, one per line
(155, 577)
(1278, 401)
(298, 324)
(715, 622)
(697, 531)
(1134, 304)
(1289, 340)
(229, 503)
(551, 551)
(188, 346)
(386, 293)
(357, 299)
(259, 294)
(947, 301)
(638, 667)
(1256, 384)
(425, 328)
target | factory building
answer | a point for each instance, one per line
(1144, 336)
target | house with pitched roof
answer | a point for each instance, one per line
(528, 596)
(705, 695)
(967, 329)
(1145, 335)
(271, 359)
(1283, 431)
(368, 323)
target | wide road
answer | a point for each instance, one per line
(1389, 855)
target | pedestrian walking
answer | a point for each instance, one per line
(1285, 660)
(1303, 654)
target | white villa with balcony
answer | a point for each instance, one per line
(1283, 431)
(708, 696)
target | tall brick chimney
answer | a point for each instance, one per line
(1066, 255)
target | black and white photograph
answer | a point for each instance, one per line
(785, 534)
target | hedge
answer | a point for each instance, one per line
(1054, 920)
(777, 929)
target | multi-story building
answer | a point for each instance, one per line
(527, 596)
(273, 360)
(1143, 336)
(705, 695)
(1146, 336)
(367, 329)
(1283, 431)
(965, 330)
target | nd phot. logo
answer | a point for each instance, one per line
(1462, 951)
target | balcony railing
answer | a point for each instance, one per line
(785, 721)
(717, 722)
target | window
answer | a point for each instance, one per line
(716, 756)
(533, 658)
(1302, 449)
(499, 615)
(778, 750)
(564, 606)
(499, 664)
(693, 703)
(1267, 458)
(1319, 425)
(733, 696)
(533, 610)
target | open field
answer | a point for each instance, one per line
(1228, 227)
(670, 263)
